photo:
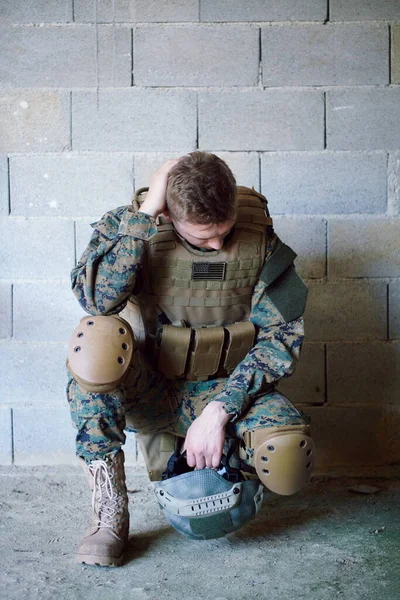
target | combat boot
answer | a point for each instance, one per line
(107, 537)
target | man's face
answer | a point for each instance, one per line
(209, 237)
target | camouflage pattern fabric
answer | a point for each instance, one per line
(147, 402)
(107, 274)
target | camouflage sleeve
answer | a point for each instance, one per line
(273, 356)
(106, 273)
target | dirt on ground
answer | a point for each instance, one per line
(336, 539)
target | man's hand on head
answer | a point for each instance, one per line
(155, 202)
(205, 437)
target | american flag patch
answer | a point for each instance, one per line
(205, 270)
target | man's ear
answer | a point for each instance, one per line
(166, 215)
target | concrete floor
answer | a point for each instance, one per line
(326, 542)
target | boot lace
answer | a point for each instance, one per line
(103, 494)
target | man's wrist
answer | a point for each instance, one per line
(218, 409)
(148, 210)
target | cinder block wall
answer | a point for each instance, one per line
(300, 97)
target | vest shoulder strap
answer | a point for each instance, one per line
(252, 207)
(277, 263)
(285, 288)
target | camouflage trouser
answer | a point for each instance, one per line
(146, 402)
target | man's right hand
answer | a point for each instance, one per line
(155, 202)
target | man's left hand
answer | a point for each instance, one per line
(205, 437)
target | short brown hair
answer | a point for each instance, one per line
(201, 189)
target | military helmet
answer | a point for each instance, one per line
(206, 504)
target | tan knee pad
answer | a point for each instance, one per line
(283, 457)
(99, 352)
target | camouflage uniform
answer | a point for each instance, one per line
(107, 274)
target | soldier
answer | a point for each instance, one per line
(195, 315)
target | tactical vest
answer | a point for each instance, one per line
(191, 317)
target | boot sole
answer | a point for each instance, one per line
(99, 561)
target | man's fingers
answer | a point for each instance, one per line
(200, 461)
(190, 459)
(209, 462)
(195, 460)
(216, 460)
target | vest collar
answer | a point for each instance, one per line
(199, 251)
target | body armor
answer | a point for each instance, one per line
(191, 317)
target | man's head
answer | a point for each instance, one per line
(202, 199)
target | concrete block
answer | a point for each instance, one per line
(395, 58)
(47, 11)
(6, 436)
(394, 183)
(244, 166)
(45, 312)
(49, 253)
(307, 384)
(168, 10)
(354, 311)
(363, 119)
(394, 309)
(114, 59)
(69, 185)
(105, 11)
(359, 10)
(4, 191)
(83, 233)
(261, 120)
(348, 436)
(32, 373)
(43, 436)
(5, 310)
(136, 11)
(134, 120)
(197, 55)
(259, 10)
(364, 247)
(365, 374)
(325, 183)
(293, 55)
(34, 121)
(307, 237)
(65, 57)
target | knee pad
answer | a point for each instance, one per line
(283, 458)
(100, 351)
